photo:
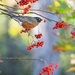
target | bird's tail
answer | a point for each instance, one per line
(7, 12)
(7, 7)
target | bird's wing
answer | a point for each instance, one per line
(30, 20)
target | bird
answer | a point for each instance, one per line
(27, 22)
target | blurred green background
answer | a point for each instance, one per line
(13, 44)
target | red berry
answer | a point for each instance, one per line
(52, 69)
(29, 48)
(44, 20)
(53, 63)
(73, 34)
(56, 66)
(32, 45)
(48, 70)
(60, 25)
(52, 72)
(41, 43)
(38, 36)
(40, 73)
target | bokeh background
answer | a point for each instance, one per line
(59, 46)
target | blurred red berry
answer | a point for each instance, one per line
(52, 72)
(44, 20)
(52, 69)
(49, 70)
(60, 25)
(29, 48)
(25, 2)
(56, 66)
(73, 34)
(53, 63)
(38, 36)
(41, 43)
(40, 73)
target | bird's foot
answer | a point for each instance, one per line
(23, 31)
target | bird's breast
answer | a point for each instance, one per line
(28, 26)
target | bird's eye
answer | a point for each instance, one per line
(39, 19)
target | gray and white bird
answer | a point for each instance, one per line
(27, 22)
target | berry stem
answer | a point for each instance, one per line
(16, 1)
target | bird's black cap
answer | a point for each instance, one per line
(38, 19)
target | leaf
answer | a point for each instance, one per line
(56, 3)
(73, 15)
(68, 47)
(71, 69)
(59, 48)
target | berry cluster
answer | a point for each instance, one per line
(49, 70)
(26, 9)
(60, 25)
(38, 44)
(73, 34)
(38, 36)
(25, 2)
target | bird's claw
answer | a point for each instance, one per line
(23, 31)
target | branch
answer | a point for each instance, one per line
(33, 13)
(16, 1)
(21, 58)
(42, 11)
(41, 16)
(30, 9)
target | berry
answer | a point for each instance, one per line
(29, 48)
(53, 63)
(41, 43)
(40, 73)
(52, 72)
(38, 36)
(38, 44)
(44, 20)
(60, 25)
(32, 45)
(26, 2)
(56, 66)
(48, 70)
(73, 34)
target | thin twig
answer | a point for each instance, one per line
(34, 13)
(22, 58)
(42, 11)
(17, 58)
(16, 1)
(30, 9)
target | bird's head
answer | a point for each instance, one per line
(38, 19)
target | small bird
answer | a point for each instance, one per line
(26, 22)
